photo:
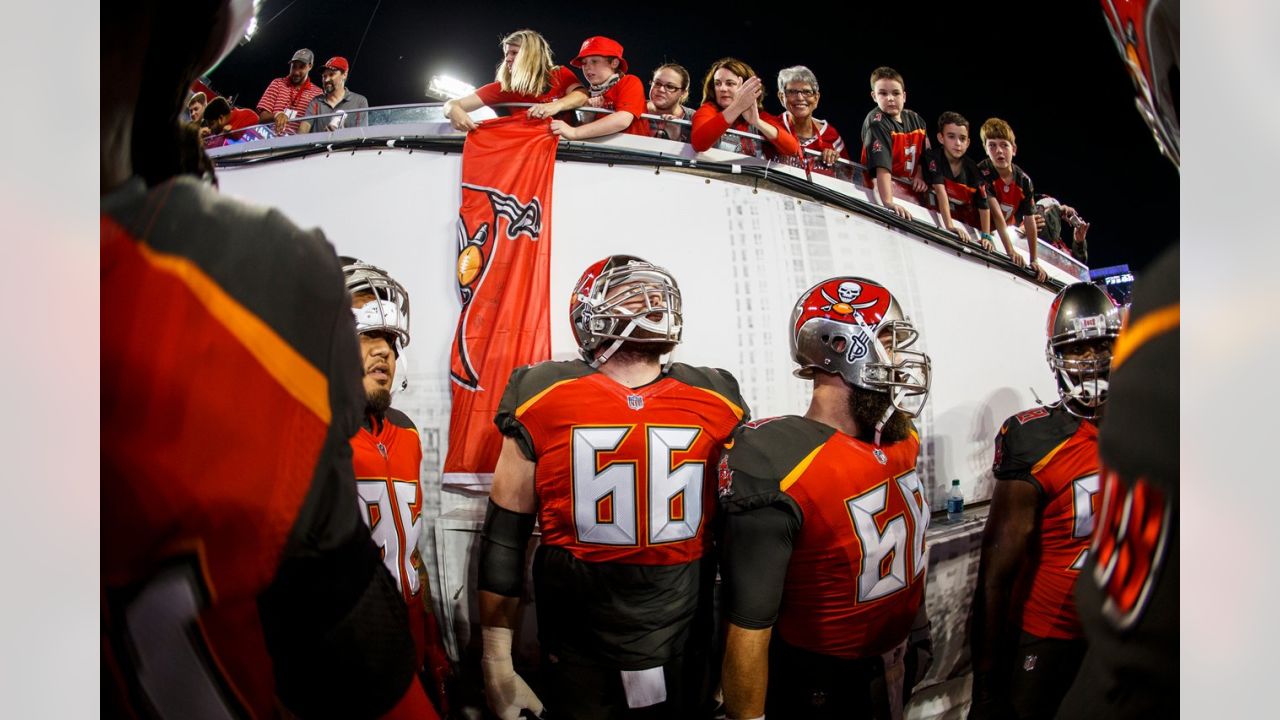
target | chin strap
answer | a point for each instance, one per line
(613, 348)
(884, 419)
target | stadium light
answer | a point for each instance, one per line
(443, 87)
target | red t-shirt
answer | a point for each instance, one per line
(827, 137)
(709, 125)
(562, 81)
(628, 95)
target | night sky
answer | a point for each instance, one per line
(1056, 78)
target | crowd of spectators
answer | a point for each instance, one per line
(994, 195)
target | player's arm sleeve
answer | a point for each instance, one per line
(785, 143)
(708, 126)
(757, 549)
(489, 94)
(333, 620)
(1027, 206)
(506, 420)
(1013, 459)
(877, 145)
(631, 97)
(933, 169)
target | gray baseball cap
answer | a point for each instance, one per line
(304, 56)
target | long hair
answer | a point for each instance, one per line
(733, 65)
(530, 74)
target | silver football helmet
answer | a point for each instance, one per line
(1082, 312)
(387, 311)
(624, 299)
(836, 327)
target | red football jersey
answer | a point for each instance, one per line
(1058, 453)
(623, 474)
(1014, 196)
(856, 573)
(895, 144)
(387, 462)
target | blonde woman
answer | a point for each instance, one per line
(526, 75)
(733, 98)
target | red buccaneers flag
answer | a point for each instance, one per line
(504, 275)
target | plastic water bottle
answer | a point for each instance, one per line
(955, 503)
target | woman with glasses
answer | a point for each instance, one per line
(733, 98)
(798, 92)
(667, 92)
(526, 75)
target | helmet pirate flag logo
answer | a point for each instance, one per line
(504, 282)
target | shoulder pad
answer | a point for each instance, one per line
(718, 381)
(528, 382)
(762, 454)
(1026, 438)
(399, 419)
(523, 388)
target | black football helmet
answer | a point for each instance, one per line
(1082, 313)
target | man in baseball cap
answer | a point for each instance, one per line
(287, 97)
(344, 108)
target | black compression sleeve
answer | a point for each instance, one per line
(757, 550)
(503, 542)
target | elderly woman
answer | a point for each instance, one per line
(733, 98)
(798, 92)
(667, 93)
(526, 75)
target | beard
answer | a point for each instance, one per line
(644, 350)
(377, 401)
(868, 406)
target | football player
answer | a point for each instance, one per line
(824, 556)
(388, 457)
(1128, 592)
(1027, 642)
(237, 578)
(614, 455)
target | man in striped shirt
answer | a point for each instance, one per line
(287, 97)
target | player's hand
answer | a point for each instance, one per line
(830, 156)
(961, 232)
(985, 241)
(506, 692)
(595, 102)
(918, 184)
(1016, 258)
(1039, 221)
(546, 110)
(281, 121)
(1081, 231)
(564, 130)
(901, 211)
(204, 133)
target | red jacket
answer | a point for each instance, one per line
(709, 125)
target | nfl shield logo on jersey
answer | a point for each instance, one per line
(880, 456)
(635, 402)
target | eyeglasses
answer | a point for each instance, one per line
(805, 93)
(666, 86)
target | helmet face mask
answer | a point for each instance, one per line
(1083, 326)
(388, 311)
(624, 299)
(854, 327)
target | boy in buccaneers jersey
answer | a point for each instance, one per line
(615, 454)
(388, 458)
(893, 139)
(1012, 189)
(1027, 642)
(824, 557)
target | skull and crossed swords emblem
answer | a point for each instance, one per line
(847, 293)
